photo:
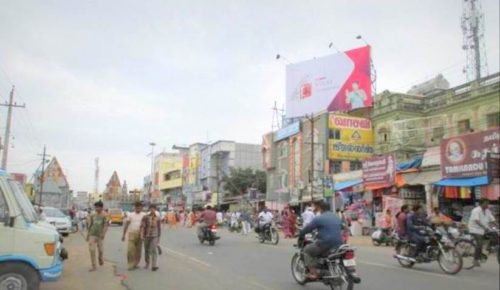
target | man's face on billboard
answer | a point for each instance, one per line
(355, 85)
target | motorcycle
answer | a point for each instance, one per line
(336, 267)
(381, 236)
(439, 247)
(269, 233)
(209, 234)
(466, 245)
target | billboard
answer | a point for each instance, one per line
(466, 155)
(379, 171)
(338, 82)
(350, 138)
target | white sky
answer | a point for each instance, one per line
(104, 78)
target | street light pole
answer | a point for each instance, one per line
(151, 176)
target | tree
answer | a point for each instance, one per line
(240, 180)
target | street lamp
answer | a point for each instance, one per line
(152, 144)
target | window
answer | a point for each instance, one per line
(336, 167)
(437, 133)
(334, 134)
(464, 126)
(355, 165)
(493, 120)
(4, 210)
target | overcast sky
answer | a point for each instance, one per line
(104, 78)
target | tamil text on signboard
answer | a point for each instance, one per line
(350, 138)
(466, 155)
(379, 171)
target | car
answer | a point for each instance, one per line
(116, 216)
(57, 218)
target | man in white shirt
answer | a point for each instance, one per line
(307, 216)
(220, 217)
(133, 227)
(479, 222)
(265, 219)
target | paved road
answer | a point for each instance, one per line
(238, 262)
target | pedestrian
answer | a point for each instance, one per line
(133, 230)
(245, 222)
(387, 222)
(189, 219)
(479, 223)
(150, 234)
(98, 225)
(307, 216)
(182, 218)
(220, 217)
(293, 223)
(401, 222)
(172, 219)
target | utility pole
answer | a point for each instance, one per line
(44, 156)
(311, 174)
(472, 23)
(10, 105)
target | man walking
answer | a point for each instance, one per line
(151, 233)
(98, 225)
(133, 229)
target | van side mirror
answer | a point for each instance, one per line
(12, 219)
(5, 220)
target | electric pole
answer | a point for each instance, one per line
(311, 173)
(9, 105)
(44, 156)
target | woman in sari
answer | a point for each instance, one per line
(172, 219)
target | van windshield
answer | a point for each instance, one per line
(24, 203)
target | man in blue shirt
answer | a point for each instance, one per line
(329, 227)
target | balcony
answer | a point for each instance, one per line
(170, 184)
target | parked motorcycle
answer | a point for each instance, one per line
(380, 237)
(209, 234)
(336, 267)
(439, 247)
(269, 234)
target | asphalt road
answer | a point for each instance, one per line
(240, 262)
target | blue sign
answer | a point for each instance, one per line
(287, 131)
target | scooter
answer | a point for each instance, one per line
(380, 237)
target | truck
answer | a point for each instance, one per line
(31, 252)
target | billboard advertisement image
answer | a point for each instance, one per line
(466, 155)
(350, 138)
(338, 82)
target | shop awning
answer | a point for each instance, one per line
(463, 182)
(346, 184)
(415, 163)
(423, 177)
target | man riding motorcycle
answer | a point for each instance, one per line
(208, 218)
(329, 228)
(265, 220)
(415, 227)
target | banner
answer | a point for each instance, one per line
(466, 155)
(338, 82)
(350, 138)
(379, 171)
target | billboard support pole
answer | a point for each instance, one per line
(311, 174)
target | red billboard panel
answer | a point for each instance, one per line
(379, 171)
(466, 155)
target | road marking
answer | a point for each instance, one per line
(258, 285)
(181, 255)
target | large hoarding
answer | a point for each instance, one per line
(338, 82)
(350, 138)
(466, 155)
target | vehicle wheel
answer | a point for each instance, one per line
(65, 235)
(450, 261)
(275, 237)
(211, 242)
(299, 271)
(405, 250)
(201, 240)
(348, 286)
(466, 248)
(375, 243)
(18, 276)
(262, 239)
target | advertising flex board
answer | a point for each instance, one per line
(379, 171)
(338, 82)
(350, 138)
(466, 155)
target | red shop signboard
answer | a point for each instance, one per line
(467, 155)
